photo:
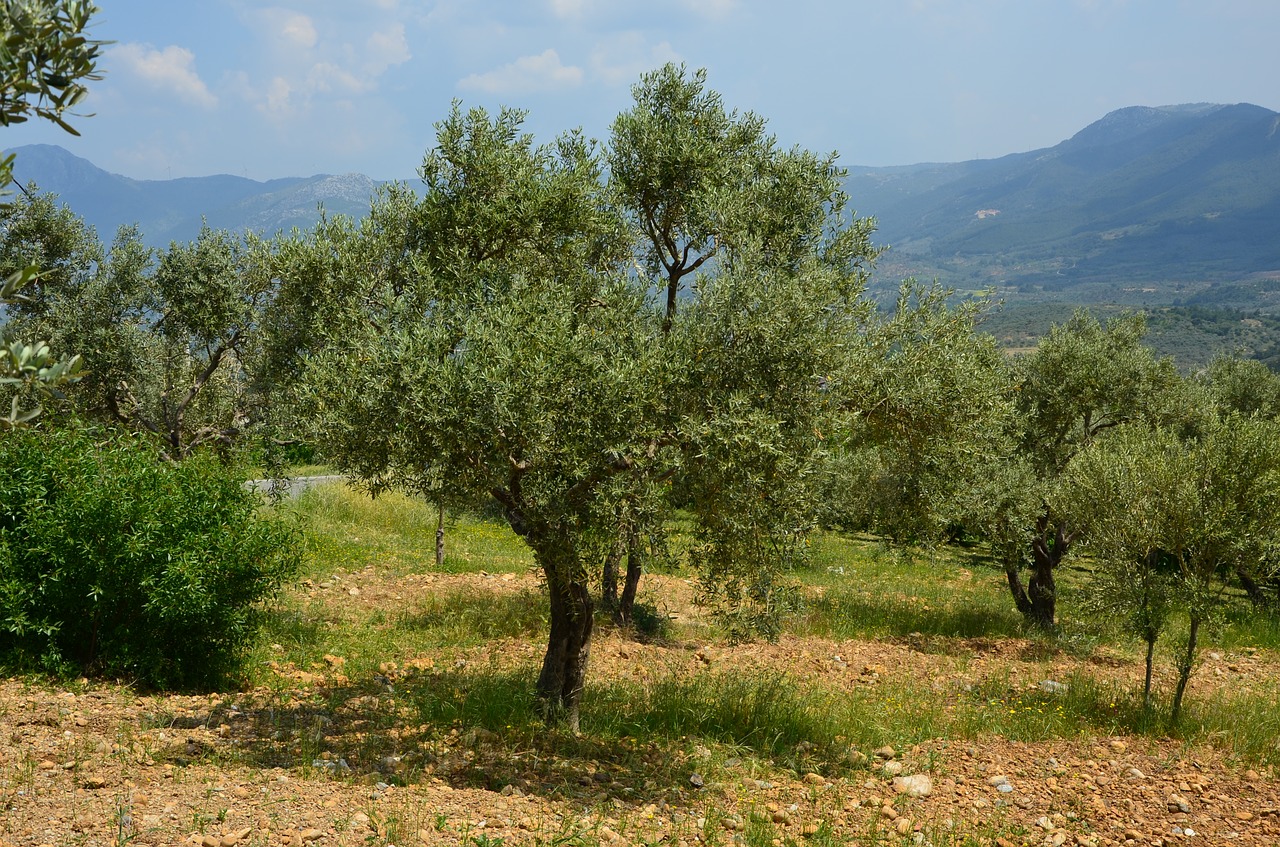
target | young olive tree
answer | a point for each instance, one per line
(1129, 496)
(515, 357)
(1176, 517)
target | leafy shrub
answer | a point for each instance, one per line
(115, 562)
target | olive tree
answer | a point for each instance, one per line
(45, 59)
(518, 357)
(1083, 380)
(929, 408)
(702, 188)
(1171, 519)
(168, 337)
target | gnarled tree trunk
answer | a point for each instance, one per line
(564, 668)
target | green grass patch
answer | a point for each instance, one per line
(870, 590)
(350, 530)
(303, 633)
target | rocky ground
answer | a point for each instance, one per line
(318, 758)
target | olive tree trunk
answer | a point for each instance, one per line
(564, 668)
(635, 566)
(1186, 661)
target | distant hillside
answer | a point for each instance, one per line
(169, 210)
(1147, 207)
(1178, 204)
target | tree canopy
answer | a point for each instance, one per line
(510, 352)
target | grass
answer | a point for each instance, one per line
(348, 530)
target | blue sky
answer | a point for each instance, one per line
(296, 87)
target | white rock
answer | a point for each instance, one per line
(914, 785)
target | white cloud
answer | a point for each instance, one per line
(310, 61)
(623, 57)
(568, 8)
(171, 69)
(386, 49)
(297, 29)
(542, 72)
(716, 9)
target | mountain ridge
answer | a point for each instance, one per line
(1153, 204)
(176, 209)
(1169, 196)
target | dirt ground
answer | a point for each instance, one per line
(282, 765)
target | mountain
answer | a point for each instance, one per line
(174, 209)
(1147, 206)
(1176, 203)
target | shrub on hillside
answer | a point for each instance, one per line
(115, 562)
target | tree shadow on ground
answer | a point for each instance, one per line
(466, 729)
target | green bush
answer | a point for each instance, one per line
(115, 562)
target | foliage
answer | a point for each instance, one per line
(115, 563)
(521, 361)
(169, 341)
(1242, 386)
(929, 407)
(1172, 519)
(1083, 380)
(44, 59)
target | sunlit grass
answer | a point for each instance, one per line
(350, 530)
(855, 587)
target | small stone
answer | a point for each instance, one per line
(93, 783)
(814, 779)
(233, 838)
(354, 592)
(1244, 816)
(1117, 745)
(885, 752)
(903, 825)
(892, 768)
(915, 785)
(856, 758)
(309, 835)
(1134, 773)
(811, 830)
(1086, 841)
(696, 780)
(1178, 804)
(1004, 788)
(1133, 835)
(1057, 839)
(998, 779)
(210, 841)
